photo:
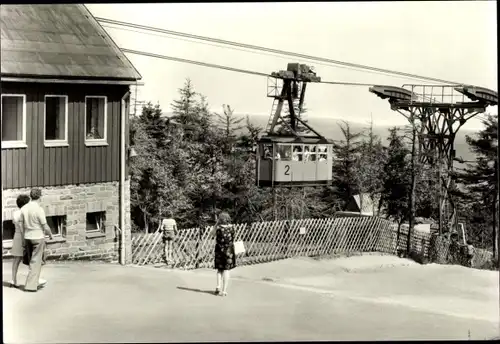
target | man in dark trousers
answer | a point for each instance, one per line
(35, 227)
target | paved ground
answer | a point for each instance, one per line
(359, 298)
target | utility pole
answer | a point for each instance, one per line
(135, 101)
(275, 201)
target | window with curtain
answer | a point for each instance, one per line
(95, 120)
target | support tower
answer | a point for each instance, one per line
(438, 111)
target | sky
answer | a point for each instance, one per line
(449, 40)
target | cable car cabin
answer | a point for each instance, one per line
(290, 161)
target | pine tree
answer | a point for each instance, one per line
(191, 112)
(346, 153)
(203, 120)
(184, 107)
(141, 194)
(158, 173)
(371, 166)
(396, 182)
(154, 124)
(230, 125)
(481, 179)
(247, 140)
(250, 200)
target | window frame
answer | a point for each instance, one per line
(17, 143)
(300, 153)
(311, 153)
(61, 226)
(281, 148)
(96, 142)
(101, 228)
(320, 153)
(8, 241)
(262, 151)
(55, 143)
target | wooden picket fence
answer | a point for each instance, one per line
(273, 240)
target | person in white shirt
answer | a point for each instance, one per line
(35, 228)
(322, 157)
(306, 153)
(296, 155)
(168, 226)
(17, 250)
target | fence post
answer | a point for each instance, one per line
(198, 246)
(288, 231)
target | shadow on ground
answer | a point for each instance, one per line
(7, 284)
(210, 292)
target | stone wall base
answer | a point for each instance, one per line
(74, 202)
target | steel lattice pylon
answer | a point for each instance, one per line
(438, 111)
(289, 87)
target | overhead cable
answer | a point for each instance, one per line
(254, 52)
(204, 64)
(238, 70)
(277, 51)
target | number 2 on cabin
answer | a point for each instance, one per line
(287, 170)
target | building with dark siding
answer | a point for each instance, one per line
(64, 109)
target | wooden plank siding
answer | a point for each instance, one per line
(127, 137)
(42, 166)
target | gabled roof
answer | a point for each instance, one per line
(364, 203)
(59, 41)
(367, 205)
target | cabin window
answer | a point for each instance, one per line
(322, 153)
(56, 120)
(266, 151)
(8, 230)
(309, 153)
(95, 221)
(13, 120)
(57, 225)
(284, 153)
(95, 119)
(297, 153)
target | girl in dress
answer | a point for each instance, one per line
(225, 258)
(18, 240)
